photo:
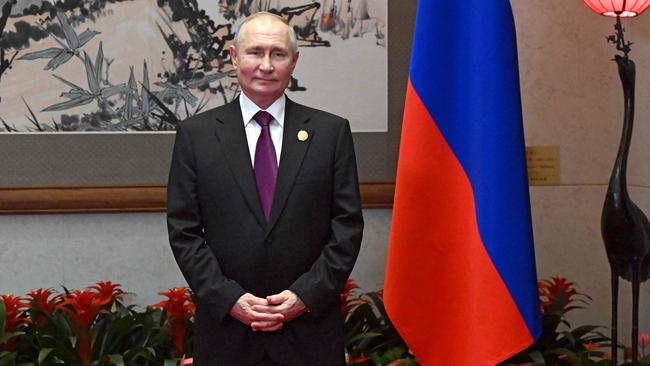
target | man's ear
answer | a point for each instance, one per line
(233, 55)
(294, 60)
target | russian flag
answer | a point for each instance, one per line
(460, 282)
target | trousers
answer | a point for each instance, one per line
(268, 362)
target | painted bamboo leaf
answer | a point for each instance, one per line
(168, 115)
(63, 57)
(33, 119)
(47, 53)
(82, 100)
(144, 107)
(71, 37)
(7, 129)
(133, 85)
(176, 91)
(74, 93)
(204, 102)
(99, 62)
(112, 90)
(93, 82)
(195, 83)
(131, 92)
(86, 36)
(68, 83)
(188, 96)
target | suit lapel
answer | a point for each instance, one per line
(231, 135)
(293, 153)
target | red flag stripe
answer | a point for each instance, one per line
(441, 286)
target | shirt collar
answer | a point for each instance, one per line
(249, 108)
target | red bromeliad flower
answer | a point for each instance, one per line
(14, 308)
(591, 346)
(349, 298)
(83, 307)
(179, 309)
(644, 340)
(357, 360)
(556, 294)
(108, 292)
(399, 362)
(42, 301)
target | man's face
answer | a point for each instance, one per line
(264, 60)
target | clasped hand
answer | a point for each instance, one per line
(270, 314)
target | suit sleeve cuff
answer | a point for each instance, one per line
(315, 302)
(220, 305)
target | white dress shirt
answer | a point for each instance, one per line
(253, 130)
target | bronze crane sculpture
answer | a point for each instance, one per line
(624, 227)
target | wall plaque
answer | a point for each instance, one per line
(543, 165)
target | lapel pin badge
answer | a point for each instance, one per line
(303, 135)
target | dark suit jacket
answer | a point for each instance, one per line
(225, 248)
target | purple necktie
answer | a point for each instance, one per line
(266, 163)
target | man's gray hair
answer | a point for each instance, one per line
(293, 41)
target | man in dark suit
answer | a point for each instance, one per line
(264, 214)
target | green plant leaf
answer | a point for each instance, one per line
(367, 335)
(46, 53)
(117, 360)
(563, 351)
(392, 354)
(7, 358)
(42, 355)
(537, 358)
(171, 363)
(410, 361)
(581, 331)
(8, 335)
(137, 354)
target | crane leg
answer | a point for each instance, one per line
(614, 327)
(635, 312)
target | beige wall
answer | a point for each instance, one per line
(572, 98)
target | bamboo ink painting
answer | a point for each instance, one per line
(145, 65)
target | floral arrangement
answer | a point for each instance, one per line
(562, 345)
(93, 327)
(370, 337)
(372, 340)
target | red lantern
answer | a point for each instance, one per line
(622, 8)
